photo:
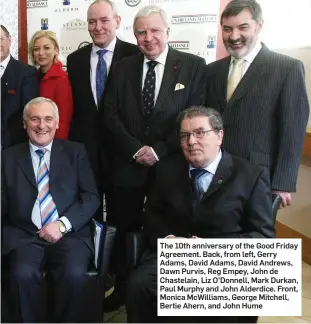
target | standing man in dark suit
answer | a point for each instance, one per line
(88, 68)
(146, 93)
(228, 197)
(19, 84)
(261, 96)
(48, 197)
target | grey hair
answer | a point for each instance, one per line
(213, 115)
(37, 101)
(234, 7)
(148, 10)
(113, 7)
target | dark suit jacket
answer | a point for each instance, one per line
(265, 119)
(124, 116)
(19, 84)
(237, 203)
(86, 127)
(71, 184)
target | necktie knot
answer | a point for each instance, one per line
(238, 61)
(101, 52)
(197, 173)
(152, 64)
(40, 152)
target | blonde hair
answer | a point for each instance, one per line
(39, 34)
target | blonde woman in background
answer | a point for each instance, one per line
(54, 82)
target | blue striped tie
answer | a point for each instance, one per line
(47, 206)
(101, 74)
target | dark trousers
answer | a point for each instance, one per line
(141, 298)
(129, 203)
(65, 262)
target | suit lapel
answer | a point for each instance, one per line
(180, 179)
(25, 163)
(251, 77)
(221, 81)
(172, 66)
(222, 174)
(136, 73)
(6, 80)
(117, 53)
(85, 68)
(57, 160)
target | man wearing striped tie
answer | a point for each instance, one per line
(48, 199)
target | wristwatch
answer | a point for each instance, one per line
(62, 227)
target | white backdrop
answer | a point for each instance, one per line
(9, 19)
(193, 23)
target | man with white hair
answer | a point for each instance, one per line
(143, 99)
(48, 197)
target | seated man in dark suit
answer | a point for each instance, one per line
(229, 198)
(19, 84)
(48, 198)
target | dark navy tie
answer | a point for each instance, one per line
(149, 88)
(197, 189)
(101, 74)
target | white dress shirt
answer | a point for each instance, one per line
(248, 59)
(36, 213)
(159, 71)
(4, 64)
(94, 60)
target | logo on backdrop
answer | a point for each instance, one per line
(186, 19)
(66, 2)
(179, 45)
(132, 3)
(44, 23)
(37, 4)
(211, 42)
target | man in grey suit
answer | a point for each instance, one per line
(146, 93)
(262, 97)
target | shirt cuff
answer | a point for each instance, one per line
(154, 153)
(134, 156)
(66, 222)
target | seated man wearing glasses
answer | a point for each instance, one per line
(204, 193)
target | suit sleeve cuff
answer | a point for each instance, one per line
(66, 222)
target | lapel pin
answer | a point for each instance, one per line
(219, 181)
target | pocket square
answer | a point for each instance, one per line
(12, 92)
(179, 86)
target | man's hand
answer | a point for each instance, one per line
(50, 232)
(145, 156)
(286, 198)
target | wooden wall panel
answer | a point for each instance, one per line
(22, 31)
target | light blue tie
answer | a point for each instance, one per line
(47, 206)
(101, 74)
(197, 188)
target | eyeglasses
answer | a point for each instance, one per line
(197, 134)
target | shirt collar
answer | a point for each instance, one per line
(34, 147)
(5, 62)
(251, 55)
(161, 58)
(109, 48)
(212, 167)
